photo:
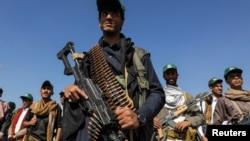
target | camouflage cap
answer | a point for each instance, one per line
(214, 80)
(169, 66)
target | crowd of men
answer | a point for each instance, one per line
(42, 120)
(34, 120)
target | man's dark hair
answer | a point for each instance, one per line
(12, 105)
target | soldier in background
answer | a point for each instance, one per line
(186, 122)
(5, 122)
(207, 106)
(43, 116)
(17, 130)
(3, 105)
(235, 104)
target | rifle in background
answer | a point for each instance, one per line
(169, 119)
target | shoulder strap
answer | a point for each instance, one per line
(208, 112)
(140, 52)
(238, 109)
(141, 72)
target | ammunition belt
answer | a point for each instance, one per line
(103, 76)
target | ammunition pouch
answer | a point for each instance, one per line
(171, 134)
(191, 134)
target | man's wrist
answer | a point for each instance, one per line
(141, 118)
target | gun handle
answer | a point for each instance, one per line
(160, 133)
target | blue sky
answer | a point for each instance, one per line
(201, 37)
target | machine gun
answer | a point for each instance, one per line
(96, 105)
(169, 119)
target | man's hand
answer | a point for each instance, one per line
(204, 138)
(12, 138)
(73, 93)
(157, 123)
(181, 126)
(127, 118)
(1, 136)
(32, 122)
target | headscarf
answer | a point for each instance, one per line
(241, 95)
(173, 97)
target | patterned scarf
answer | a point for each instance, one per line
(42, 109)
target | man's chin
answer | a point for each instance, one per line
(109, 32)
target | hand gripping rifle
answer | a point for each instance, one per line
(96, 105)
(169, 119)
